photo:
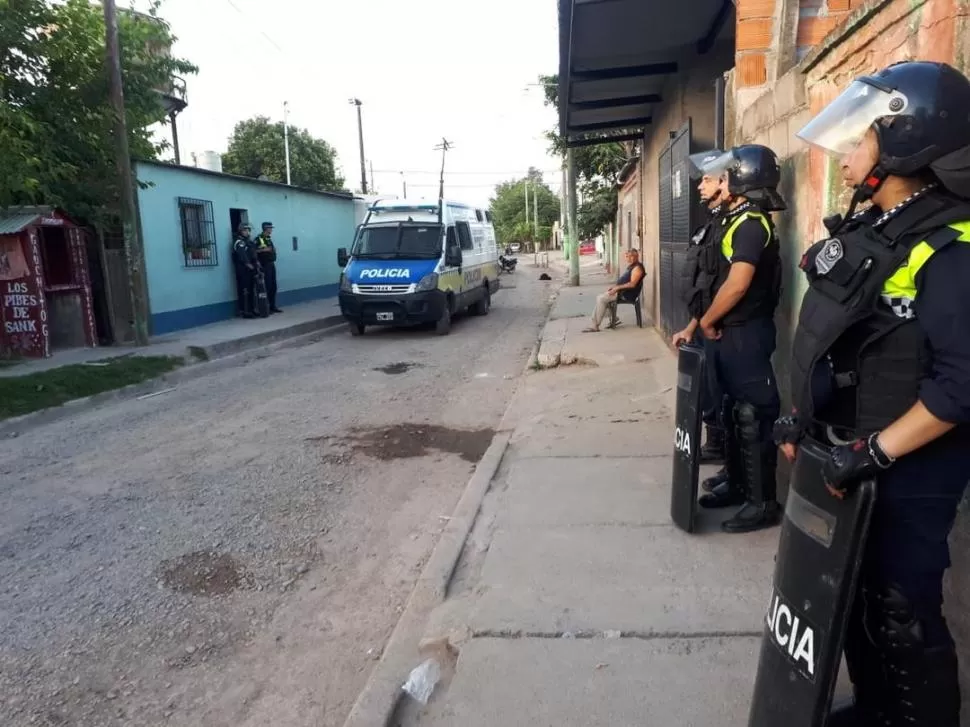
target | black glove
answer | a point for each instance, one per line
(787, 430)
(848, 464)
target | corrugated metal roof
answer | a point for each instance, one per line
(16, 220)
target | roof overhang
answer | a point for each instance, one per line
(615, 57)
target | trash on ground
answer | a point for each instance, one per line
(422, 680)
(155, 393)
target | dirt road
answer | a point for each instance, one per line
(236, 552)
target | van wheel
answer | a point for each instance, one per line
(356, 329)
(443, 326)
(483, 305)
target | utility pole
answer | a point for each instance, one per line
(535, 210)
(404, 184)
(373, 184)
(527, 204)
(286, 138)
(443, 147)
(360, 133)
(134, 250)
(573, 238)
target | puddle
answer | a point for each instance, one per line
(401, 367)
(402, 441)
(202, 574)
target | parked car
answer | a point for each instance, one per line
(587, 247)
(516, 246)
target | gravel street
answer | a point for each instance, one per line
(237, 551)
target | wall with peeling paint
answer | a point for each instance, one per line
(868, 36)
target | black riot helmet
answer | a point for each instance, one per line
(752, 171)
(920, 112)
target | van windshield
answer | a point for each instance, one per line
(403, 240)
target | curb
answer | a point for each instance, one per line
(379, 698)
(257, 340)
(260, 345)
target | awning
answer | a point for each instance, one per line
(615, 56)
(15, 221)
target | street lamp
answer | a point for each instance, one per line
(360, 131)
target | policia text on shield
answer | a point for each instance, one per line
(735, 286)
(881, 394)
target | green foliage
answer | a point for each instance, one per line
(256, 149)
(56, 121)
(508, 210)
(597, 171)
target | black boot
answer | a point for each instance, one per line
(713, 449)
(710, 483)
(759, 459)
(725, 494)
(248, 304)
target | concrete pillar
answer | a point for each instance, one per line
(572, 243)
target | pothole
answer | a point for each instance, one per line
(202, 573)
(402, 441)
(401, 367)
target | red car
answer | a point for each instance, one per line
(587, 248)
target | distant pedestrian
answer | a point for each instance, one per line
(244, 261)
(266, 254)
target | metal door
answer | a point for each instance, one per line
(678, 198)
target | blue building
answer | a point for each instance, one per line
(188, 218)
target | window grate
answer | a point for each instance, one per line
(198, 233)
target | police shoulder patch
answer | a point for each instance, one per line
(828, 256)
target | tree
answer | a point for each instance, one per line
(597, 171)
(256, 149)
(55, 114)
(508, 210)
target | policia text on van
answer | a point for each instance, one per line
(418, 263)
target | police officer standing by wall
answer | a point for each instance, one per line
(266, 254)
(244, 261)
(741, 318)
(881, 371)
(700, 274)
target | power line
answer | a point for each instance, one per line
(261, 32)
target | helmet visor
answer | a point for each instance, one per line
(841, 125)
(711, 163)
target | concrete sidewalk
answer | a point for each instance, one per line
(576, 602)
(213, 341)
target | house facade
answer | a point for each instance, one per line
(188, 219)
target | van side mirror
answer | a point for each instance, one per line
(453, 256)
(342, 257)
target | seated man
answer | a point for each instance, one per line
(627, 288)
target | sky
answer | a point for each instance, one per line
(424, 69)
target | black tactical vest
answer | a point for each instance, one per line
(699, 275)
(763, 294)
(876, 358)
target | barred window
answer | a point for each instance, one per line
(198, 233)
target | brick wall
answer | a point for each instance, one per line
(841, 39)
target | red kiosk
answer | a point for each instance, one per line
(45, 290)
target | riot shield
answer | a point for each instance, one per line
(816, 573)
(687, 437)
(261, 300)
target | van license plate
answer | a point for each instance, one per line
(385, 316)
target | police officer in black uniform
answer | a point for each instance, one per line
(266, 254)
(699, 275)
(741, 318)
(244, 261)
(881, 370)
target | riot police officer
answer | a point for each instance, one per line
(741, 318)
(881, 370)
(266, 254)
(697, 286)
(244, 261)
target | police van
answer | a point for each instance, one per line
(418, 262)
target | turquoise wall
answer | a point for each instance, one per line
(182, 297)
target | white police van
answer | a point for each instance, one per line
(418, 262)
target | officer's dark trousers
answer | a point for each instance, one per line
(269, 270)
(916, 505)
(744, 369)
(244, 289)
(897, 629)
(713, 394)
